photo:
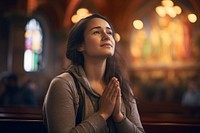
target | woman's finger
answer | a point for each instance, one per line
(115, 91)
(109, 89)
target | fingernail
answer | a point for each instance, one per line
(113, 78)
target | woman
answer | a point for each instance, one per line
(106, 100)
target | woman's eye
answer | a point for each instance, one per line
(96, 32)
(110, 32)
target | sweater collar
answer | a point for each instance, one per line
(79, 73)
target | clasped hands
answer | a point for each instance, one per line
(110, 101)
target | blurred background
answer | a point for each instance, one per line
(159, 40)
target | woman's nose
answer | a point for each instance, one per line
(105, 36)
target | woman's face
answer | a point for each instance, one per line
(99, 41)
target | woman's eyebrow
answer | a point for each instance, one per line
(98, 27)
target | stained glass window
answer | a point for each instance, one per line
(165, 41)
(33, 46)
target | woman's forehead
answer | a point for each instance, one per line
(97, 22)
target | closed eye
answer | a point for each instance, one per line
(96, 32)
(109, 32)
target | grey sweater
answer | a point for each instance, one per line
(61, 105)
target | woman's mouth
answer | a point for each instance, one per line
(106, 45)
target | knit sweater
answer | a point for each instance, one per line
(62, 101)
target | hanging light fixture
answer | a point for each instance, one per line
(80, 13)
(167, 8)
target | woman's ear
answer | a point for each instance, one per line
(81, 48)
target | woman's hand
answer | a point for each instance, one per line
(107, 102)
(117, 114)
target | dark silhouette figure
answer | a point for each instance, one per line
(14, 95)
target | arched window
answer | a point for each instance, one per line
(33, 46)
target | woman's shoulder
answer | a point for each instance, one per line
(62, 88)
(63, 80)
(63, 77)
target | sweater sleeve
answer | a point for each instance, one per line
(132, 123)
(60, 106)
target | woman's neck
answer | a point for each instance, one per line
(94, 71)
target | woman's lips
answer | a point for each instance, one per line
(106, 45)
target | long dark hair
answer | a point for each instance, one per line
(113, 68)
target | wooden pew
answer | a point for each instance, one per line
(21, 120)
(169, 118)
(171, 128)
(155, 118)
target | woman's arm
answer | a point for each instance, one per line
(60, 105)
(131, 123)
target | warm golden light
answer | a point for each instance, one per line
(192, 18)
(177, 9)
(138, 24)
(170, 11)
(75, 18)
(117, 37)
(160, 10)
(167, 3)
(168, 8)
(80, 13)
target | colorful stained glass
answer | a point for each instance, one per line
(33, 46)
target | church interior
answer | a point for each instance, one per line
(159, 41)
